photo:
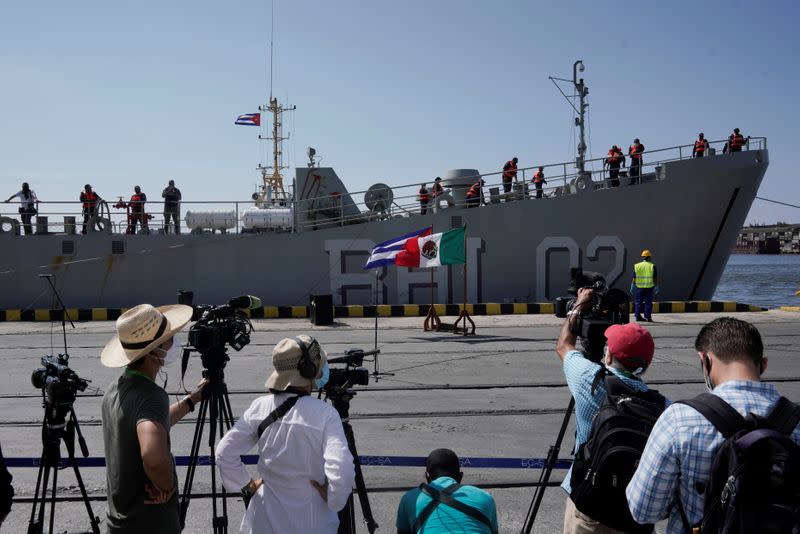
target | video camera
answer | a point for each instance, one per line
(353, 374)
(218, 326)
(609, 306)
(59, 384)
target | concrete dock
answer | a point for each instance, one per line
(499, 394)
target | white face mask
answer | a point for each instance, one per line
(168, 357)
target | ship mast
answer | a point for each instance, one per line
(273, 181)
(581, 91)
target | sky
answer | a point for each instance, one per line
(124, 93)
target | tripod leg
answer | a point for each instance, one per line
(34, 527)
(197, 439)
(361, 488)
(53, 499)
(72, 428)
(547, 469)
(221, 522)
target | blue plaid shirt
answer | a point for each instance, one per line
(680, 451)
(580, 374)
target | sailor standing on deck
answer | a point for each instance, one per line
(538, 180)
(736, 141)
(172, 206)
(27, 206)
(423, 199)
(614, 160)
(700, 146)
(635, 151)
(643, 285)
(137, 210)
(89, 200)
(509, 174)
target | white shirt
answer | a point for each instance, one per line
(26, 202)
(308, 443)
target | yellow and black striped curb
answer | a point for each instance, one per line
(384, 310)
(790, 308)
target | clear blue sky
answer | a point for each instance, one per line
(118, 94)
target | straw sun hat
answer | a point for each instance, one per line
(141, 329)
(285, 358)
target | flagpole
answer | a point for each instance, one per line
(464, 313)
(432, 320)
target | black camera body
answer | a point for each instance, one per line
(215, 328)
(609, 306)
(59, 384)
(353, 374)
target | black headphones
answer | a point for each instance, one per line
(306, 366)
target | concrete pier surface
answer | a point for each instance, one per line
(498, 394)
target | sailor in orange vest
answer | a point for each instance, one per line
(700, 146)
(137, 213)
(509, 174)
(635, 151)
(423, 199)
(89, 200)
(736, 141)
(614, 160)
(538, 180)
(475, 194)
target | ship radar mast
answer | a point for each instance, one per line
(272, 189)
(581, 92)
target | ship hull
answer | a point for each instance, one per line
(517, 251)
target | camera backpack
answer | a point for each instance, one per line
(754, 484)
(605, 464)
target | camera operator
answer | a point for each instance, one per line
(627, 355)
(305, 467)
(137, 416)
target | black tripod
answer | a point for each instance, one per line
(547, 469)
(215, 407)
(55, 427)
(347, 516)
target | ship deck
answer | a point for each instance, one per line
(499, 394)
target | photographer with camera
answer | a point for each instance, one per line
(627, 355)
(305, 467)
(141, 478)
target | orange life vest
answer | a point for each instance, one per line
(538, 177)
(437, 189)
(474, 191)
(613, 156)
(736, 141)
(423, 194)
(89, 200)
(509, 169)
(137, 202)
(700, 145)
(635, 151)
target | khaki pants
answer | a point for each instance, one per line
(577, 523)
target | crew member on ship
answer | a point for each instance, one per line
(700, 146)
(137, 213)
(614, 160)
(172, 206)
(635, 151)
(27, 206)
(736, 141)
(423, 199)
(89, 200)
(538, 180)
(509, 174)
(643, 286)
(475, 194)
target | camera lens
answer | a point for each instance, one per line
(37, 378)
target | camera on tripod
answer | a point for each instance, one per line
(353, 374)
(59, 384)
(609, 306)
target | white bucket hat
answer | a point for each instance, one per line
(285, 358)
(141, 329)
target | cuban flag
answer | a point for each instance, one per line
(249, 119)
(386, 253)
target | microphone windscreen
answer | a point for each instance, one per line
(245, 302)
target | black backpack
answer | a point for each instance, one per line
(605, 464)
(755, 475)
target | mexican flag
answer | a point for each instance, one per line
(433, 250)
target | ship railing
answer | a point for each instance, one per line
(561, 180)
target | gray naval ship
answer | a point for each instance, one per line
(314, 236)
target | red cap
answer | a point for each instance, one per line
(630, 344)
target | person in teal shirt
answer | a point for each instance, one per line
(473, 510)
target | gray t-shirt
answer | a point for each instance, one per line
(132, 398)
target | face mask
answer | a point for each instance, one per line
(320, 382)
(170, 356)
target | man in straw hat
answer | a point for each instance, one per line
(305, 467)
(141, 478)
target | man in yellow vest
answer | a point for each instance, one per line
(643, 286)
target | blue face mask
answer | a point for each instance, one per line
(320, 382)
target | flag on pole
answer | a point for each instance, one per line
(446, 248)
(249, 119)
(385, 253)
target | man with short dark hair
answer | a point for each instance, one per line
(676, 464)
(172, 207)
(443, 504)
(635, 152)
(89, 200)
(627, 356)
(27, 206)
(509, 174)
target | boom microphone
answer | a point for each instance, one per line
(245, 302)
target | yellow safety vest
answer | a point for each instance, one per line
(644, 274)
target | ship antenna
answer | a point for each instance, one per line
(582, 92)
(271, 39)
